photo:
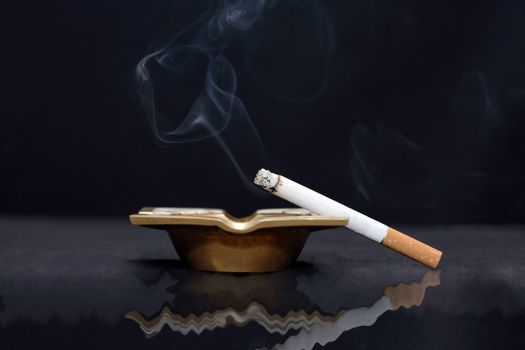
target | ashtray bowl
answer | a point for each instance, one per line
(214, 240)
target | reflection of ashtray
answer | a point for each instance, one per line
(213, 240)
(311, 324)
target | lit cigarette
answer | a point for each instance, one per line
(362, 224)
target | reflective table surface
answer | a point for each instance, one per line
(104, 284)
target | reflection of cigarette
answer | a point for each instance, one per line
(368, 227)
(314, 328)
(406, 295)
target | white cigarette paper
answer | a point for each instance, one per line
(319, 204)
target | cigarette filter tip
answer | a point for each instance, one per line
(412, 248)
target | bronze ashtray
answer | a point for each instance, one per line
(214, 240)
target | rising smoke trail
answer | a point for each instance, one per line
(217, 109)
(287, 55)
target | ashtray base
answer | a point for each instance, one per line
(209, 249)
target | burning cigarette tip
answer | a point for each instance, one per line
(266, 179)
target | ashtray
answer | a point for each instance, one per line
(214, 240)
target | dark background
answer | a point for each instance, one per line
(414, 114)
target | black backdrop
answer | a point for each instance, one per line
(413, 111)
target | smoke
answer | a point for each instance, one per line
(285, 48)
(451, 160)
(216, 112)
(291, 59)
(384, 163)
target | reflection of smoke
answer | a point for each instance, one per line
(217, 110)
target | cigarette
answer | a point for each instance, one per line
(360, 223)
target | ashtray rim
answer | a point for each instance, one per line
(164, 217)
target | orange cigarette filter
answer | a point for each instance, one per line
(412, 248)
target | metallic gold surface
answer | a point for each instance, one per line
(265, 218)
(213, 240)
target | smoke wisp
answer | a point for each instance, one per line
(284, 47)
(168, 74)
